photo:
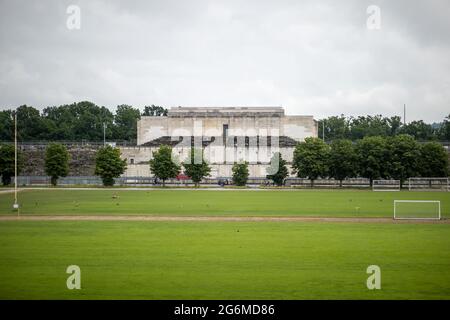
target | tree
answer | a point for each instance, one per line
(335, 128)
(154, 111)
(404, 155)
(240, 173)
(395, 123)
(311, 159)
(433, 160)
(29, 124)
(419, 130)
(342, 160)
(7, 163)
(444, 130)
(372, 155)
(109, 165)
(277, 170)
(162, 165)
(56, 161)
(6, 125)
(84, 121)
(78, 121)
(125, 119)
(195, 166)
(361, 126)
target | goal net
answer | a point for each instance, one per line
(386, 185)
(417, 209)
(430, 184)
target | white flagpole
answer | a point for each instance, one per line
(16, 205)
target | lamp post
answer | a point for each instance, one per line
(404, 114)
(323, 130)
(104, 134)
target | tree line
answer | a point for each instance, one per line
(74, 122)
(108, 163)
(373, 157)
(355, 128)
(399, 157)
(85, 120)
(164, 166)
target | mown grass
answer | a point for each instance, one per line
(227, 260)
(351, 203)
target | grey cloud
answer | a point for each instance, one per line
(311, 57)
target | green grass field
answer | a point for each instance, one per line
(226, 203)
(221, 260)
(210, 260)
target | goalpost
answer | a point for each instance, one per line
(386, 185)
(417, 209)
(430, 184)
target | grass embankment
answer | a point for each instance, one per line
(325, 203)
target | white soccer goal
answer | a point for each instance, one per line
(417, 209)
(429, 184)
(386, 185)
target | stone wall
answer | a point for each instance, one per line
(220, 159)
(81, 163)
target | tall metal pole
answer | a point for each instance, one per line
(323, 130)
(404, 114)
(16, 206)
(104, 134)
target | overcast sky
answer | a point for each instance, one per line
(311, 57)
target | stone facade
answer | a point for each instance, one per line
(243, 121)
(81, 160)
(227, 135)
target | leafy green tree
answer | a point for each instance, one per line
(277, 171)
(7, 163)
(56, 162)
(60, 123)
(395, 124)
(78, 121)
(29, 124)
(195, 166)
(433, 160)
(444, 130)
(335, 128)
(404, 155)
(240, 173)
(419, 130)
(342, 160)
(154, 111)
(6, 125)
(311, 159)
(364, 126)
(373, 158)
(162, 165)
(109, 165)
(125, 120)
